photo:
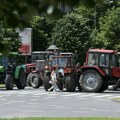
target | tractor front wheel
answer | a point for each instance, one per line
(35, 81)
(46, 82)
(9, 82)
(21, 81)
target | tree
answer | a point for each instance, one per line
(108, 33)
(41, 32)
(9, 39)
(17, 12)
(72, 32)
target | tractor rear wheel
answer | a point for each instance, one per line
(35, 81)
(21, 81)
(91, 81)
(60, 84)
(9, 82)
(46, 83)
(70, 82)
(104, 86)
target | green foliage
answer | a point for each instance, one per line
(108, 34)
(9, 39)
(72, 32)
(17, 13)
(41, 32)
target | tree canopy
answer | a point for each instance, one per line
(9, 39)
(107, 35)
(41, 28)
(72, 32)
(18, 12)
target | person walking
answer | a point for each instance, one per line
(53, 80)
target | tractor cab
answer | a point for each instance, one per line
(100, 70)
(38, 55)
(103, 60)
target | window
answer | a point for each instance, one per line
(93, 59)
(104, 60)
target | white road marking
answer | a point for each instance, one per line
(11, 102)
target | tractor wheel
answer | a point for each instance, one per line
(35, 81)
(21, 81)
(91, 81)
(104, 86)
(70, 82)
(9, 82)
(46, 83)
(60, 84)
(28, 80)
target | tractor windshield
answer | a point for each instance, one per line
(5, 62)
(62, 61)
(41, 56)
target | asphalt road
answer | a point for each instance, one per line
(39, 103)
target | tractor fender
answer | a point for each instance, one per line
(17, 69)
(69, 70)
(84, 68)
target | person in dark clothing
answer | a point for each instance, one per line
(78, 69)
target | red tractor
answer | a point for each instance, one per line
(100, 70)
(38, 55)
(37, 75)
(66, 73)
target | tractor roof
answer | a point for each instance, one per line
(66, 53)
(62, 57)
(43, 52)
(102, 51)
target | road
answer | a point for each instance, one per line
(39, 103)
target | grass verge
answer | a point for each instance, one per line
(116, 99)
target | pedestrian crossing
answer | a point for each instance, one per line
(41, 92)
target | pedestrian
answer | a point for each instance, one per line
(78, 69)
(53, 80)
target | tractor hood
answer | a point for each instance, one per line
(1, 69)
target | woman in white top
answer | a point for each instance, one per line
(53, 80)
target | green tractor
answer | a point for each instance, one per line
(11, 72)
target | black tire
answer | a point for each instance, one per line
(104, 86)
(91, 81)
(21, 82)
(35, 81)
(70, 82)
(60, 84)
(46, 83)
(29, 79)
(78, 82)
(9, 82)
